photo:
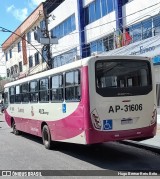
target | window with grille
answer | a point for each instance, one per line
(11, 94)
(34, 91)
(43, 90)
(57, 88)
(72, 86)
(17, 95)
(25, 92)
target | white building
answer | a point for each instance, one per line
(104, 25)
(78, 28)
(23, 53)
(2, 64)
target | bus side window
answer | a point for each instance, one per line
(12, 94)
(72, 86)
(57, 88)
(25, 92)
(6, 98)
(77, 85)
(43, 90)
(18, 95)
(34, 91)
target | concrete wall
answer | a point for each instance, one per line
(101, 27)
(36, 15)
(139, 5)
(70, 41)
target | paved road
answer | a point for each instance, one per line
(27, 152)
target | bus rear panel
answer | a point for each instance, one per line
(95, 100)
(122, 99)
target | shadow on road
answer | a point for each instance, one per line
(110, 156)
(31, 137)
(113, 156)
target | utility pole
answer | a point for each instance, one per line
(43, 37)
(47, 46)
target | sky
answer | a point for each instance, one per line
(13, 13)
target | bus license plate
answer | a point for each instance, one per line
(127, 121)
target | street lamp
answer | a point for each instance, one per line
(7, 30)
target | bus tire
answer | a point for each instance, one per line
(46, 137)
(15, 131)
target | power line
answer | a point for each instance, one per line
(106, 23)
(7, 30)
(77, 45)
(102, 25)
(115, 20)
(35, 18)
(110, 21)
(95, 38)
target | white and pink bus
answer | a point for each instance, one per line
(94, 100)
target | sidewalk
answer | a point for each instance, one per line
(152, 144)
(155, 141)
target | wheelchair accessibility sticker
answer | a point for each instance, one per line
(107, 124)
(64, 108)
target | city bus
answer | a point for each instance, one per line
(94, 100)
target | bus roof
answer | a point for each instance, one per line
(70, 66)
(61, 69)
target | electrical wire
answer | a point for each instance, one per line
(107, 23)
(77, 45)
(95, 45)
(110, 21)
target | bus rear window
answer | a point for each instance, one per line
(123, 77)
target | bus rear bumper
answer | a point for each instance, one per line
(95, 136)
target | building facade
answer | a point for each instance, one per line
(84, 27)
(21, 50)
(2, 64)
(129, 27)
(97, 26)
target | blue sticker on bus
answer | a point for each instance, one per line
(107, 124)
(64, 108)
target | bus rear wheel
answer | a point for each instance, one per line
(46, 137)
(15, 131)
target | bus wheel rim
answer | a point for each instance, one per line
(46, 137)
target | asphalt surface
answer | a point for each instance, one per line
(152, 144)
(26, 152)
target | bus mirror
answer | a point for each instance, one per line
(3, 95)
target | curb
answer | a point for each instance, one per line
(142, 146)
